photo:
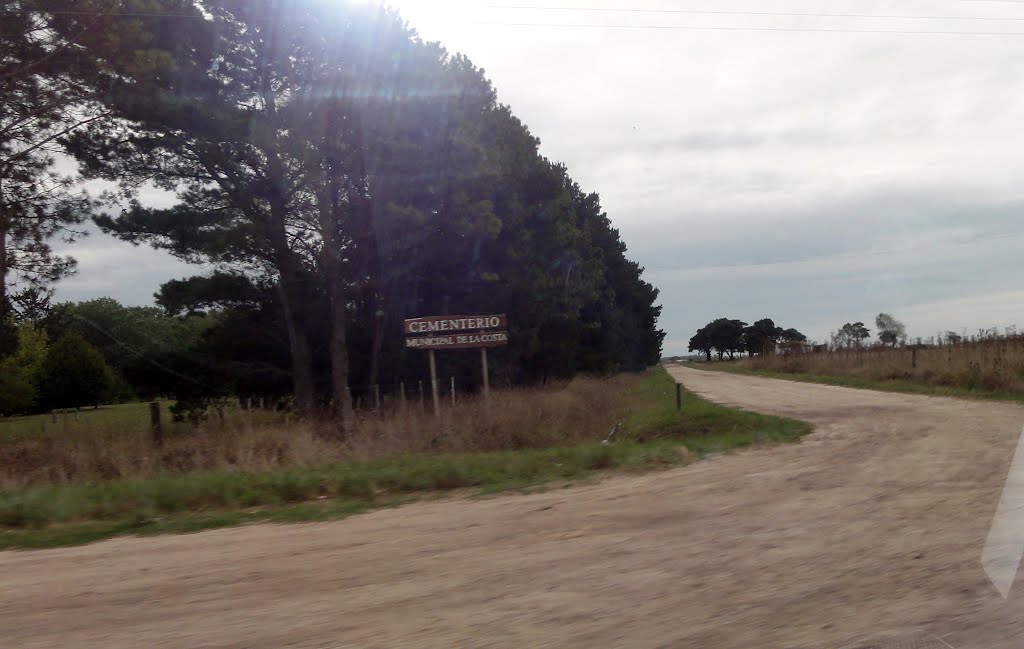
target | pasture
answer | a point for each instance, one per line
(986, 366)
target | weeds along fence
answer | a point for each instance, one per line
(990, 362)
(258, 440)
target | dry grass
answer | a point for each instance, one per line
(580, 411)
(80, 488)
(991, 365)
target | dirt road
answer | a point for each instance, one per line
(872, 527)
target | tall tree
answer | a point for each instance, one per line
(890, 330)
(725, 336)
(762, 337)
(209, 128)
(47, 90)
(851, 335)
(701, 341)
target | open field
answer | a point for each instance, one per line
(871, 527)
(991, 368)
(120, 419)
(87, 488)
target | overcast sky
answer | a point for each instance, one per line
(814, 177)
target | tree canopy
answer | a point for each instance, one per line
(890, 330)
(730, 336)
(74, 374)
(851, 335)
(336, 174)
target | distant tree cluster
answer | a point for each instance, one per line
(727, 336)
(891, 332)
(83, 354)
(338, 174)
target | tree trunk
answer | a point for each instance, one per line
(6, 342)
(3, 264)
(378, 337)
(341, 404)
(298, 342)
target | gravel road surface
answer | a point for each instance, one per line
(871, 528)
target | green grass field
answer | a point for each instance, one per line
(653, 436)
(122, 417)
(117, 418)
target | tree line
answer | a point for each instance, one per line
(338, 175)
(891, 332)
(729, 336)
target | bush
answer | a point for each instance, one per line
(20, 372)
(74, 374)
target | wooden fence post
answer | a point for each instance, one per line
(155, 425)
(453, 392)
(679, 396)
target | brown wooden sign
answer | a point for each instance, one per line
(442, 325)
(459, 341)
(457, 332)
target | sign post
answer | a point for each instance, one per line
(457, 332)
(487, 378)
(433, 385)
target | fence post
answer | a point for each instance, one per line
(155, 425)
(913, 360)
(401, 392)
(453, 392)
(679, 396)
(423, 406)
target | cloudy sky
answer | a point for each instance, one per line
(809, 168)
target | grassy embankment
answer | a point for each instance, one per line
(987, 369)
(116, 485)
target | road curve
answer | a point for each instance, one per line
(872, 527)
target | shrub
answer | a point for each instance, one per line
(74, 374)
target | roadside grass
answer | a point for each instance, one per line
(702, 426)
(906, 386)
(987, 366)
(652, 435)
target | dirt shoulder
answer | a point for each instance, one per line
(872, 527)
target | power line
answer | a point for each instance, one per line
(740, 29)
(759, 13)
